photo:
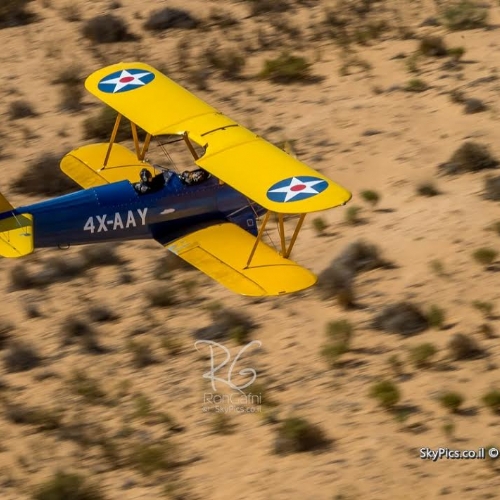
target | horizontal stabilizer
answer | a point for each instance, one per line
(16, 236)
(85, 165)
(222, 252)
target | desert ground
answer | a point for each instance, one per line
(102, 388)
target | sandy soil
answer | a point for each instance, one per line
(373, 454)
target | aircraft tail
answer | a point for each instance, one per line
(16, 231)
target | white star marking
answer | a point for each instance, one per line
(293, 189)
(125, 79)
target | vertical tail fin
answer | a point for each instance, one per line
(16, 231)
(4, 204)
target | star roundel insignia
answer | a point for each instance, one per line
(296, 189)
(125, 80)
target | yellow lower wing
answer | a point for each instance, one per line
(85, 165)
(16, 236)
(222, 252)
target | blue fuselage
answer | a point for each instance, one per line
(117, 212)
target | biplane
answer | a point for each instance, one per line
(217, 221)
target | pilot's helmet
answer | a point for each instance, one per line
(145, 175)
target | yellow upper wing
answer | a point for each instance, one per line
(234, 154)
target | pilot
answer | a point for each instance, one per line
(146, 183)
(191, 177)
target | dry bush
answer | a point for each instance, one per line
(286, 68)
(451, 400)
(44, 419)
(296, 434)
(101, 125)
(5, 331)
(259, 7)
(463, 347)
(421, 355)
(337, 280)
(465, 15)
(168, 18)
(68, 486)
(428, 188)
(99, 255)
(386, 392)
(14, 13)
(21, 356)
(75, 329)
(403, 318)
(107, 28)
(433, 46)
(492, 188)
(87, 387)
(21, 109)
(229, 61)
(227, 324)
(71, 98)
(44, 177)
(469, 157)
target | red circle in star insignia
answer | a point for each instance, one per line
(126, 79)
(298, 187)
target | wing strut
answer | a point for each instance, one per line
(112, 140)
(259, 238)
(294, 236)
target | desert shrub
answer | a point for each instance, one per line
(428, 189)
(21, 109)
(87, 387)
(339, 334)
(230, 62)
(221, 424)
(361, 256)
(227, 324)
(168, 18)
(463, 347)
(286, 68)
(101, 314)
(473, 105)
(296, 434)
(142, 354)
(43, 419)
(21, 356)
(416, 85)
(74, 330)
(101, 125)
(492, 400)
(487, 330)
(492, 188)
(161, 296)
(258, 7)
(371, 197)
(106, 28)
(485, 308)
(437, 267)
(222, 19)
(71, 12)
(150, 458)
(386, 393)
(337, 280)
(395, 364)
(5, 330)
(432, 46)
(70, 75)
(403, 318)
(319, 225)
(67, 486)
(20, 278)
(465, 15)
(44, 177)
(456, 53)
(485, 256)
(14, 13)
(352, 215)
(71, 98)
(99, 256)
(452, 401)
(421, 355)
(469, 157)
(436, 317)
